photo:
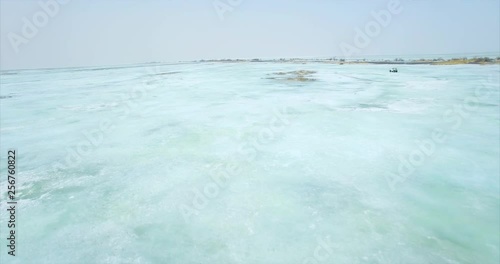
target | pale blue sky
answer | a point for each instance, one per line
(111, 32)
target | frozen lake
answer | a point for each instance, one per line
(254, 163)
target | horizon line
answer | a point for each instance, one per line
(138, 64)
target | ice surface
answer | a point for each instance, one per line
(217, 163)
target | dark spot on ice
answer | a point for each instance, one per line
(167, 73)
(297, 76)
(372, 106)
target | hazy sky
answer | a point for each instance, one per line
(110, 32)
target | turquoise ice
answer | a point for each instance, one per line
(232, 163)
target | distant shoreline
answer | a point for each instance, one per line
(480, 60)
(397, 61)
